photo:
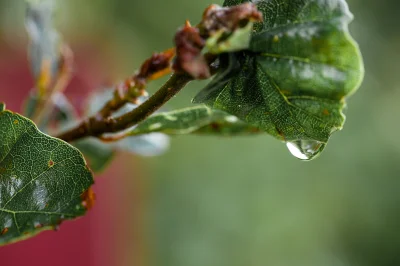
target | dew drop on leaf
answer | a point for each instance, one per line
(305, 149)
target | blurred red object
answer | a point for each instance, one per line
(88, 241)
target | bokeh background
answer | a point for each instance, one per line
(223, 201)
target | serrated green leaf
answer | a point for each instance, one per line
(63, 116)
(42, 179)
(301, 65)
(280, 13)
(198, 120)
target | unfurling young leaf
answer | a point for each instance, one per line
(292, 83)
(239, 40)
(229, 28)
(43, 180)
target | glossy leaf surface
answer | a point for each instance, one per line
(300, 66)
(42, 179)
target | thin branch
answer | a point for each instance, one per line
(97, 125)
(190, 63)
(158, 65)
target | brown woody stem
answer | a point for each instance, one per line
(158, 65)
(98, 125)
(190, 64)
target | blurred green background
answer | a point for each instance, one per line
(247, 201)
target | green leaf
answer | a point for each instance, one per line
(293, 82)
(236, 41)
(63, 117)
(42, 179)
(199, 119)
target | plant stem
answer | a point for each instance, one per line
(158, 65)
(98, 125)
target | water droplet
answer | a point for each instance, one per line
(305, 149)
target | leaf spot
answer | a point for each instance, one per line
(4, 231)
(88, 199)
